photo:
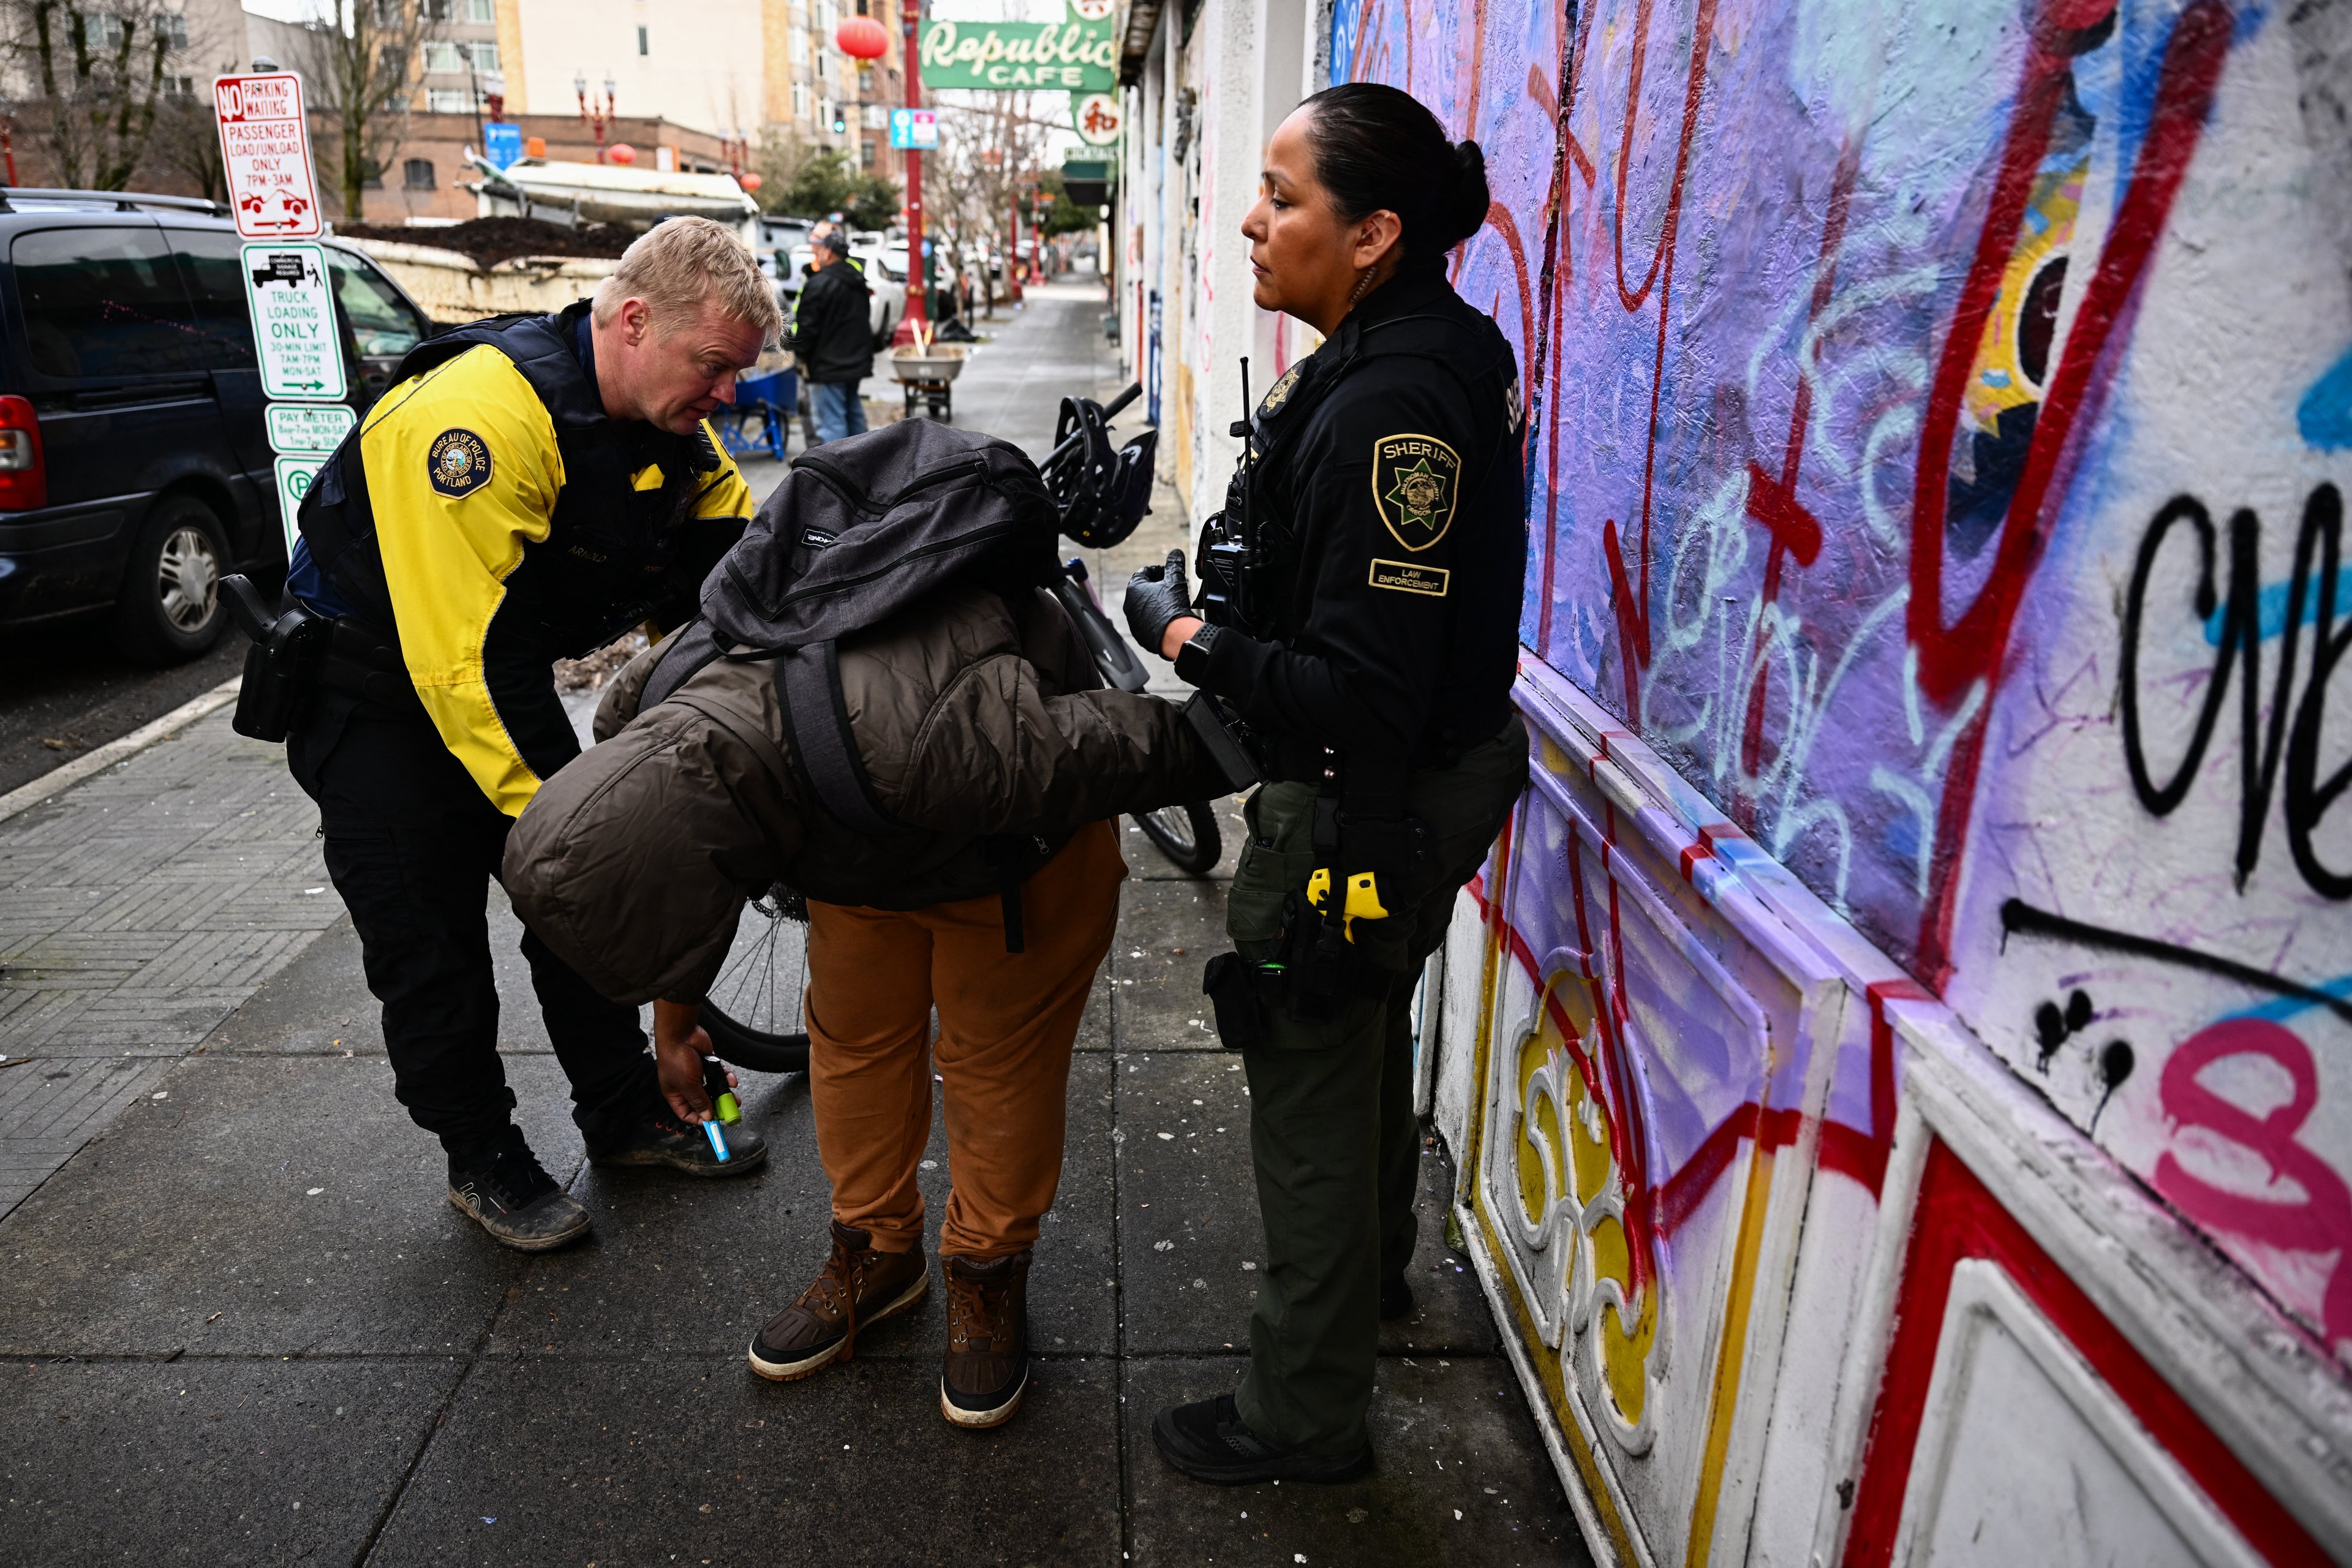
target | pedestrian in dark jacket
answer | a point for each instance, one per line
(832, 338)
(981, 727)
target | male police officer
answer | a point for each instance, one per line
(529, 486)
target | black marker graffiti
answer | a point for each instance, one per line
(2018, 917)
(2313, 585)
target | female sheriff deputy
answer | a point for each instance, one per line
(1359, 619)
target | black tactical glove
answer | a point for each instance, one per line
(1155, 596)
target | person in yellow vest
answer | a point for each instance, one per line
(529, 488)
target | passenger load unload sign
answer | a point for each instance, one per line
(266, 151)
(294, 328)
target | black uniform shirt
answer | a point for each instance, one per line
(1402, 493)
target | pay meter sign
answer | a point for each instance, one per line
(265, 149)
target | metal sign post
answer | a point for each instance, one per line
(298, 335)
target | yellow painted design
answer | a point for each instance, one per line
(1535, 1194)
(648, 478)
(1729, 1352)
(1625, 1356)
(1548, 1374)
(2001, 379)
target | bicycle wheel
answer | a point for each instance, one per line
(1186, 833)
(752, 1011)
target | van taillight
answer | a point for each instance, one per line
(23, 477)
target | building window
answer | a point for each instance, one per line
(642, 47)
(798, 50)
(443, 56)
(176, 30)
(370, 174)
(449, 100)
(485, 55)
(482, 11)
(437, 10)
(180, 87)
(416, 174)
(800, 100)
(866, 154)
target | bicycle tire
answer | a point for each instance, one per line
(752, 1010)
(1187, 834)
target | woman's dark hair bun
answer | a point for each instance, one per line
(1377, 147)
(1466, 211)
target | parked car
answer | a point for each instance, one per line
(135, 466)
(135, 470)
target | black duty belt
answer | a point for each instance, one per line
(1293, 760)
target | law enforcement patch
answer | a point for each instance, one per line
(458, 463)
(1415, 482)
(1407, 578)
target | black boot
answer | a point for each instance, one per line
(659, 1137)
(505, 1192)
(1209, 1441)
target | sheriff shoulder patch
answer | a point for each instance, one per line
(458, 463)
(1279, 393)
(1407, 578)
(1415, 483)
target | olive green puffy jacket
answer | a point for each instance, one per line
(982, 725)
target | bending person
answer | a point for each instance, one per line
(978, 722)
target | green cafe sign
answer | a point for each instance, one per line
(1080, 54)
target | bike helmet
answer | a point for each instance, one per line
(1101, 494)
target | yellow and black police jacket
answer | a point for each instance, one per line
(488, 517)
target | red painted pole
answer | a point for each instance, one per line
(919, 272)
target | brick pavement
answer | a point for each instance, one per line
(137, 910)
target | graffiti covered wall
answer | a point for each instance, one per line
(1942, 412)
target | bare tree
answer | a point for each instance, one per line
(358, 61)
(93, 77)
(991, 148)
(185, 147)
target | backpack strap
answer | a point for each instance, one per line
(816, 721)
(689, 651)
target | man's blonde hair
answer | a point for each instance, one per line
(679, 264)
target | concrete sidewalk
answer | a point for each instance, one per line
(240, 1324)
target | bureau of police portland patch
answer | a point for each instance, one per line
(458, 463)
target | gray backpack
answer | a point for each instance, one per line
(859, 531)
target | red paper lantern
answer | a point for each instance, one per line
(752, 182)
(621, 152)
(863, 37)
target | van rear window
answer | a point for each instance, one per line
(211, 265)
(103, 302)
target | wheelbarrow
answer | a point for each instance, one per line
(762, 410)
(925, 376)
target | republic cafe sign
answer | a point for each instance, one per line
(1079, 54)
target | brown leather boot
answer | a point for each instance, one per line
(987, 1366)
(858, 1289)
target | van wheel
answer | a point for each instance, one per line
(170, 609)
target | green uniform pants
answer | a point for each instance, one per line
(1331, 1126)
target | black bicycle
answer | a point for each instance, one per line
(752, 1012)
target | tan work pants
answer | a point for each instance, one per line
(1006, 1024)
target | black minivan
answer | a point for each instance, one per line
(135, 470)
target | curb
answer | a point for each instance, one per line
(115, 751)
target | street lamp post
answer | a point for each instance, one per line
(596, 119)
